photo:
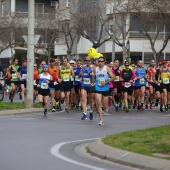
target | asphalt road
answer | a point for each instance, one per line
(32, 142)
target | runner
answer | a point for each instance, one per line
(22, 75)
(53, 87)
(87, 89)
(151, 71)
(140, 84)
(65, 73)
(158, 89)
(101, 80)
(117, 84)
(127, 77)
(164, 78)
(44, 79)
(12, 70)
(77, 81)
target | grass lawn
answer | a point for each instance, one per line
(16, 105)
(152, 141)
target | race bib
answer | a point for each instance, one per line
(35, 83)
(86, 81)
(165, 80)
(44, 86)
(72, 79)
(142, 81)
(14, 76)
(117, 78)
(127, 84)
(55, 83)
(100, 81)
(77, 78)
(66, 78)
(24, 76)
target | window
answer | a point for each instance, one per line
(39, 9)
(67, 3)
(2, 8)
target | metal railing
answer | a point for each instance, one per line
(138, 34)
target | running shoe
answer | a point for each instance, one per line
(146, 106)
(91, 116)
(161, 109)
(166, 109)
(101, 122)
(150, 106)
(45, 113)
(139, 107)
(126, 110)
(66, 110)
(142, 108)
(84, 117)
(53, 110)
(20, 96)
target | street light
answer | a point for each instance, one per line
(30, 53)
(113, 37)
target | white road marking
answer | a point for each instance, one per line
(55, 151)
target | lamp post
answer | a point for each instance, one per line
(114, 22)
(30, 53)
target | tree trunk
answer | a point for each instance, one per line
(124, 53)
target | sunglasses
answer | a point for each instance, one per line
(126, 65)
(100, 61)
(87, 60)
(35, 66)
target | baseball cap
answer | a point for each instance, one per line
(164, 61)
(126, 63)
(72, 61)
(45, 66)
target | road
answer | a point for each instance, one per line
(32, 142)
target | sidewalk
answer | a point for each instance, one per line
(21, 111)
(97, 148)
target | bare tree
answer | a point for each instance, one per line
(154, 19)
(92, 23)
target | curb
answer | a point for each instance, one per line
(97, 148)
(20, 111)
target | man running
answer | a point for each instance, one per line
(127, 77)
(140, 84)
(164, 79)
(22, 75)
(87, 89)
(102, 76)
(43, 87)
(117, 84)
(151, 71)
(66, 72)
(12, 70)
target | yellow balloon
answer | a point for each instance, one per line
(98, 55)
(91, 52)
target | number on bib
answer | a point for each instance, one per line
(117, 78)
(14, 76)
(44, 85)
(66, 78)
(127, 84)
(141, 81)
(165, 80)
(86, 81)
(100, 81)
(24, 76)
(77, 78)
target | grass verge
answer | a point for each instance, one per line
(16, 105)
(152, 141)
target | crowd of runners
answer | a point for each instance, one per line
(94, 83)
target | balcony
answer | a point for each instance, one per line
(139, 35)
